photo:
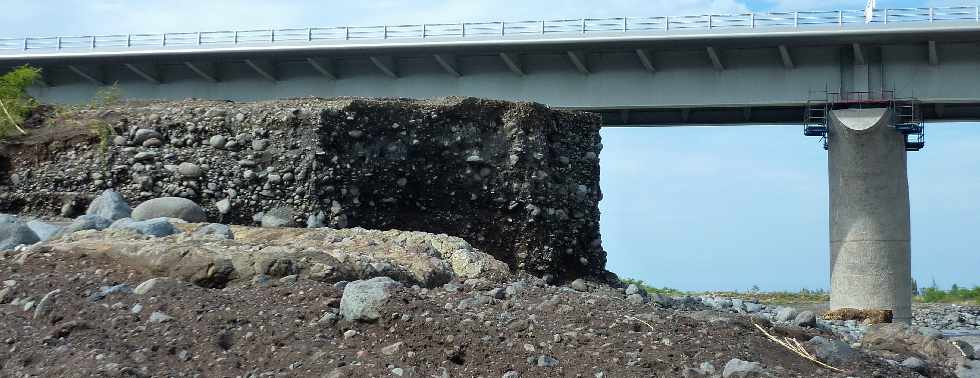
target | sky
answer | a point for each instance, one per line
(693, 208)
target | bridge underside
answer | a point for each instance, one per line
(758, 78)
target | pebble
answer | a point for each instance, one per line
(159, 317)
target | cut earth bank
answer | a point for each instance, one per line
(516, 180)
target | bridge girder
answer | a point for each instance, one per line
(658, 80)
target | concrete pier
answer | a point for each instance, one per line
(870, 254)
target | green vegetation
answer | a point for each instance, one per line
(110, 95)
(651, 289)
(932, 294)
(15, 103)
(755, 294)
(955, 294)
(103, 131)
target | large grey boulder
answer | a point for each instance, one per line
(86, 222)
(157, 227)
(363, 300)
(278, 217)
(170, 207)
(834, 352)
(805, 319)
(785, 314)
(14, 234)
(109, 205)
(215, 230)
(143, 135)
(44, 231)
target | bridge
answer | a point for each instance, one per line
(754, 68)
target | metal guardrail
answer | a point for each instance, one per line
(665, 24)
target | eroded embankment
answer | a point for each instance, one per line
(517, 180)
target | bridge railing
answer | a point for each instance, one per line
(664, 24)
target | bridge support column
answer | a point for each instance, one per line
(870, 253)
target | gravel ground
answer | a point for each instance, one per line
(289, 327)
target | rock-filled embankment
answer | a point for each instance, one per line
(516, 180)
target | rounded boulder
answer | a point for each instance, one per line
(170, 207)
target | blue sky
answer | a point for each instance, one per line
(693, 208)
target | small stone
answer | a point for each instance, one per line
(109, 290)
(260, 144)
(45, 305)
(547, 361)
(915, 364)
(190, 170)
(392, 349)
(184, 355)
(218, 141)
(152, 143)
(350, 333)
(155, 286)
(159, 317)
(579, 285)
(143, 135)
(224, 206)
(137, 308)
(636, 299)
(215, 230)
(737, 368)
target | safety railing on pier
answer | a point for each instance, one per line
(664, 24)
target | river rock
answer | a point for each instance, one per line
(736, 368)
(190, 170)
(215, 230)
(44, 231)
(110, 205)
(363, 300)
(14, 234)
(170, 207)
(157, 227)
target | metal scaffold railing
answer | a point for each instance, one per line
(906, 113)
(492, 29)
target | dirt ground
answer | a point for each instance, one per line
(276, 330)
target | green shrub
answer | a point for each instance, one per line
(955, 294)
(15, 103)
(110, 95)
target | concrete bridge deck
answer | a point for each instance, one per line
(649, 71)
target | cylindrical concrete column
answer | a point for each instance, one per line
(870, 254)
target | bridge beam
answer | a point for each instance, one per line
(858, 54)
(206, 71)
(787, 59)
(513, 62)
(448, 63)
(645, 60)
(264, 68)
(933, 54)
(715, 59)
(324, 66)
(148, 72)
(870, 258)
(386, 64)
(93, 75)
(578, 60)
